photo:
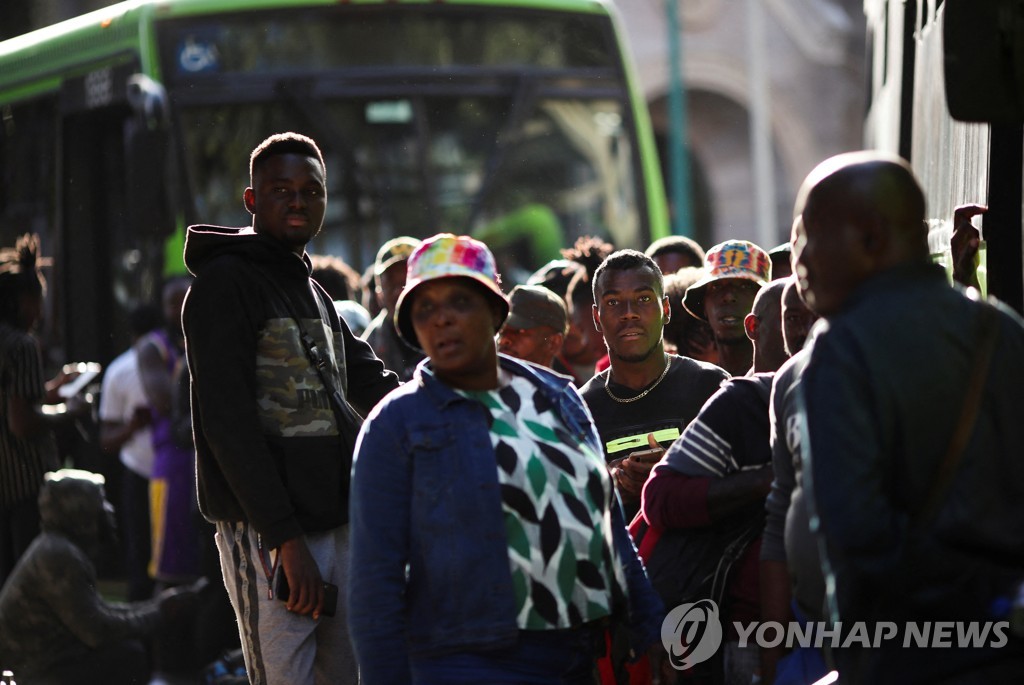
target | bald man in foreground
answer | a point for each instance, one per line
(918, 524)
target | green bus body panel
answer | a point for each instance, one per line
(75, 47)
(79, 45)
(31, 90)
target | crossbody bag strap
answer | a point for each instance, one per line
(318, 359)
(988, 326)
(326, 306)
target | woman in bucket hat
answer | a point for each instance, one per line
(487, 542)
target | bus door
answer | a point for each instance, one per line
(113, 210)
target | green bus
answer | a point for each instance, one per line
(517, 121)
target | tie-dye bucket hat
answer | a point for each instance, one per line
(447, 256)
(731, 259)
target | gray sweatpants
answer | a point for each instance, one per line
(279, 646)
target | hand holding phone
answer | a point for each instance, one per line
(300, 570)
(632, 471)
(282, 592)
(650, 456)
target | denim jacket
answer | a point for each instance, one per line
(429, 557)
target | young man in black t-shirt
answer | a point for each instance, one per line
(645, 399)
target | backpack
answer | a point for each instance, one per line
(688, 564)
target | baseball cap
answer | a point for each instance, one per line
(535, 305)
(731, 259)
(555, 275)
(394, 251)
(447, 256)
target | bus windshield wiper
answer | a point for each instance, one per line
(522, 105)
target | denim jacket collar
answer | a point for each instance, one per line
(552, 384)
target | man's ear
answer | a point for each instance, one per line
(555, 341)
(597, 321)
(249, 200)
(751, 326)
(666, 308)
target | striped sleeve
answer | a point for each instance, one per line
(24, 370)
(22, 462)
(701, 451)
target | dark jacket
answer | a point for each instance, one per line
(268, 447)
(397, 355)
(882, 392)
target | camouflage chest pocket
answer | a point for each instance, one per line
(291, 398)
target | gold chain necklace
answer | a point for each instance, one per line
(607, 379)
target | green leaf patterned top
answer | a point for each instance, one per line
(556, 495)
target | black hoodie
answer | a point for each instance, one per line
(268, 448)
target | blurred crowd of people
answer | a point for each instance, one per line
(450, 480)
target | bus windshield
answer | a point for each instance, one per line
(514, 126)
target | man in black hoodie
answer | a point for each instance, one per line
(273, 371)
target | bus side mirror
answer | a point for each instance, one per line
(148, 99)
(151, 179)
(984, 60)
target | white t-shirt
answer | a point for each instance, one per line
(121, 393)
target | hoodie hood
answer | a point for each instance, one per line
(72, 504)
(205, 243)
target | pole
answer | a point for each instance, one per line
(760, 130)
(679, 165)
